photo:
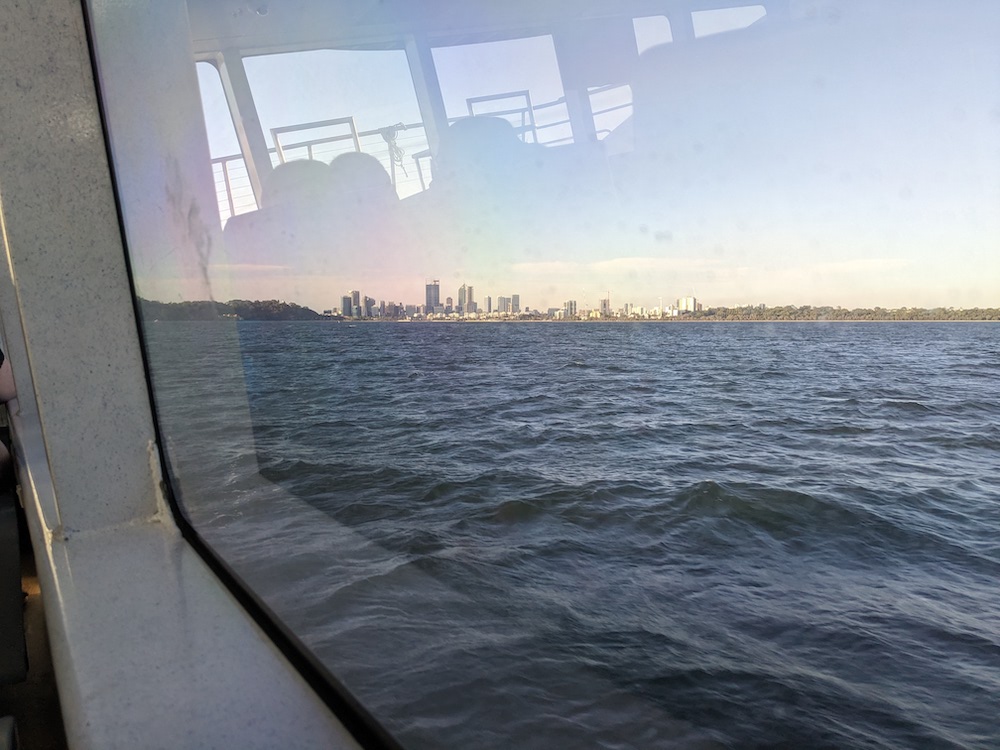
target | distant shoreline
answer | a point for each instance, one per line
(668, 321)
(543, 321)
(271, 310)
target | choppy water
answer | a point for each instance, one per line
(616, 536)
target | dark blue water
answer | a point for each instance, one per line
(615, 536)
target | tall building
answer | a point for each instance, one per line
(432, 296)
(489, 304)
(569, 308)
(606, 307)
(462, 298)
(688, 304)
(515, 303)
(503, 304)
(345, 306)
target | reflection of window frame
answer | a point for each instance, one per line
(707, 14)
(639, 22)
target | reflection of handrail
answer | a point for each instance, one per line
(612, 109)
(526, 112)
(221, 160)
(232, 184)
(349, 121)
(553, 103)
(234, 199)
(412, 125)
(331, 139)
(229, 186)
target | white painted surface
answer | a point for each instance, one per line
(65, 268)
(149, 649)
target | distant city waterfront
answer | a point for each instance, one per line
(687, 309)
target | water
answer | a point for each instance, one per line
(615, 535)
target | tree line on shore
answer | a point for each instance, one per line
(807, 312)
(237, 308)
(277, 310)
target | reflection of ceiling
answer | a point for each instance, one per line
(284, 25)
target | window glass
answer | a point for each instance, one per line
(372, 87)
(612, 106)
(607, 421)
(707, 22)
(515, 79)
(232, 183)
(650, 31)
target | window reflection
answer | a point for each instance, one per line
(514, 524)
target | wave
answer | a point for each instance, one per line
(851, 533)
(911, 407)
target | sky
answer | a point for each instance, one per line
(855, 162)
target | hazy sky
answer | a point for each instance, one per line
(855, 163)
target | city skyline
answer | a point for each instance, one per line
(605, 304)
(358, 304)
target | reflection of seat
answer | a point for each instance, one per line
(495, 198)
(296, 182)
(490, 105)
(769, 106)
(691, 112)
(481, 152)
(719, 94)
(319, 219)
(361, 181)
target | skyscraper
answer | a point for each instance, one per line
(433, 296)
(515, 303)
(462, 298)
(687, 304)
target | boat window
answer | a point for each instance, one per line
(516, 79)
(650, 31)
(612, 108)
(232, 182)
(720, 20)
(500, 401)
(323, 103)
